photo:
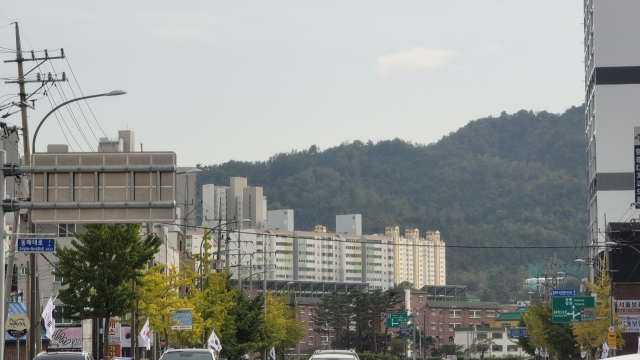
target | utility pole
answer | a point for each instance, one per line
(35, 342)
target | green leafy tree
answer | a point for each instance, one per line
(334, 312)
(451, 349)
(159, 293)
(480, 346)
(380, 302)
(98, 270)
(399, 346)
(543, 333)
(360, 314)
(591, 335)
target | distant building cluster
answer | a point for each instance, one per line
(260, 243)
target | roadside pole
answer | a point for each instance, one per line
(3, 157)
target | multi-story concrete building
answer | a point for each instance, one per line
(313, 256)
(280, 219)
(419, 261)
(228, 205)
(612, 87)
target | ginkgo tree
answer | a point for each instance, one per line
(160, 297)
(591, 335)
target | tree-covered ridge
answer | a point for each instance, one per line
(508, 181)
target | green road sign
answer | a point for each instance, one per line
(572, 309)
(395, 320)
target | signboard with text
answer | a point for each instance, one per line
(32, 245)
(564, 292)
(114, 331)
(182, 320)
(571, 309)
(636, 165)
(396, 320)
(629, 315)
(515, 333)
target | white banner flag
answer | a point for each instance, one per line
(145, 333)
(48, 318)
(214, 342)
(272, 353)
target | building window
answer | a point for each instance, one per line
(59, 318)
(496, 335)
(301, 309)
(454, 313)
(57, 278)
(491, 313)
(506, 327)
(419, 299)
(433, 326)
(512, 348)
(440, 326)
(433, 312)
(481, 335)
(310, 311)
(324, 340)
(310, 325)
(474, 314)
(453, 326)
(496, 347)
(311, 342)
(66, 230)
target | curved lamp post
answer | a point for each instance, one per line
(35, 135)
(577, 277)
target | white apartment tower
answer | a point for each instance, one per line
(349, 224)
(234, 203)
(280, 219)
(612, 90)
(420, 261)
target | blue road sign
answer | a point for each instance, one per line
(564, 292)
(518, 333)
(33, 245)
(405, 331)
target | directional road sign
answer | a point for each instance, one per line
(33, 245)
(405, 331)
(395, 320)
(571, 308)
(564, 292)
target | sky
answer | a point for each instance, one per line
(216, 81)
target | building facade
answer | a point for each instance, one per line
(612, 87)
(420, 261)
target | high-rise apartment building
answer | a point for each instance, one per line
(419, 261)
(234, 203)
(612, 90)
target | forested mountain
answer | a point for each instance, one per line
(514, 180)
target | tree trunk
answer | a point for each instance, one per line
(105, 338)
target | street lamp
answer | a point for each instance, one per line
(582, 284)
(33, 308)
(35, 135)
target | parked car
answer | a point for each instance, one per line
(189, 354)
(334, 355)
(63, 355)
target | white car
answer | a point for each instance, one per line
(334, 355)
(189, 354)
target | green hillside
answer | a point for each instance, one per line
(508, 181)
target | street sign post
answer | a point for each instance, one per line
(516, 333)
(611, 336)
(396, 320)
(564, 292)
(571, 309)
(405, 331)
(34, 245)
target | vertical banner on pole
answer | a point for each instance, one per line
(636, 165)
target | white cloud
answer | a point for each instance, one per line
(413, 59)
